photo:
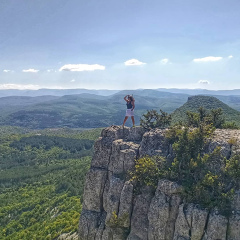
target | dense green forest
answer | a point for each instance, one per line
(41, 181)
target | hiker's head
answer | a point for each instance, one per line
(130, 98)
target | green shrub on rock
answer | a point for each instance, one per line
(152, 119)
(208, 179)
(148, 170)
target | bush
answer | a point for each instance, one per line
(230, 125)
(148, 170)
(233, 169)
(152, 119)
(213, 117)
(118, 222)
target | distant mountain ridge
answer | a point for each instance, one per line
(233, 92)
(54, 92)
(107, 92)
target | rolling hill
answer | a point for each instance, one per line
(83, 110)
(194, 102)
(88, 110)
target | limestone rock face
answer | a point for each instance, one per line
(154, 143)
(139, 219)
(91, 223)
(93, 190)
(191, 222)
(126, 204)
(113, 210)
(123, 156)
(113, 197)
(163, 210)
(216, 227)
(234, 227)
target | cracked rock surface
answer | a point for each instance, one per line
(113, 211)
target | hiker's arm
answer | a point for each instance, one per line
(125, 98)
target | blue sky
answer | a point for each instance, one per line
(114, 44)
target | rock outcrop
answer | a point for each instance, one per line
(113, 211)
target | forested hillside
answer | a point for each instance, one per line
(84, 110)
(89, 110)
(41, 181)
(195, 102)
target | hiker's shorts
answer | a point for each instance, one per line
(129, 113)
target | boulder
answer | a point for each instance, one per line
(154, 143)
(123, 157)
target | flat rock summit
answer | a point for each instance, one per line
(112, 210)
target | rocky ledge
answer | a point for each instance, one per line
(112, 211)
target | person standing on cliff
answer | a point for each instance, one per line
(130, 109)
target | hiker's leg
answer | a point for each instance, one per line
(124, 121)
(133, 121)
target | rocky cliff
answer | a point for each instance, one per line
(113, 211)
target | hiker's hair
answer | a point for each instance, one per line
(131, 98)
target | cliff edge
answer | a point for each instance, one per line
(112, 210)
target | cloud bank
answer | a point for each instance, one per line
(164, 61)
(205, 82)
(31, 70)
(81, 67)
(19, 86)
(207, 59)
(133, 62)
(6, 71)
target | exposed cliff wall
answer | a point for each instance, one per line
(112, 211)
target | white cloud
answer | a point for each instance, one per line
(133, 62)
(6, 71)
(204, 82)
(73, 80)
(207, 59)
(81, 67)
(50, 70)
(231, 56)
(19, 86)
(30, 70)
(164, 61)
